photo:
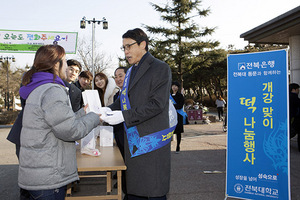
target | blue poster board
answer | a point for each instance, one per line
(258, 136)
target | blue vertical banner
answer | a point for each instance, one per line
(258, 137)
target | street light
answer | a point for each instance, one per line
(82, 26)
(4, 60)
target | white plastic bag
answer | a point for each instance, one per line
(106, 136)
(88, 144)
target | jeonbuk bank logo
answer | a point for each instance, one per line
(241, 66)
(238, 188)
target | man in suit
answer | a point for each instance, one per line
(119, 132)
(120, 73)
(148, 174)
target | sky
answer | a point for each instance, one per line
(230, 17)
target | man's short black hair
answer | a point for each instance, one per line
(293, 86)
(124, 68)
(138, 35)
(71, 62)
(86, 74)
(176, 83)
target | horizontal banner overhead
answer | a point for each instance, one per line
(20, 41)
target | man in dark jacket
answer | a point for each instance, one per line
(75, 96)
(84, 81)
(119, 131)
(147, 90)
(294, 111)
(73, 70)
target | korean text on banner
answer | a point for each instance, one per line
(21, 41)
(258, 141)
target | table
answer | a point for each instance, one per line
(109, 160)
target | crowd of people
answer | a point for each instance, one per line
(54, 117)
(138, 101)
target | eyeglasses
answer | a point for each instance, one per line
(127, 46)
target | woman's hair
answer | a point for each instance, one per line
(45, 60)
(101, 92)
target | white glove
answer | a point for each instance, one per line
(104, 110)
(113, 117)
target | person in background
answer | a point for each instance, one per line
(178, 102)
(84, 80)
(50, 128)
(106, 88)
(72, 72)
(294, 107)
(120, 73)
(119, 131)
(220, 102)
(145, 114)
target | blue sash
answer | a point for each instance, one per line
(142, 145)
(180, 111)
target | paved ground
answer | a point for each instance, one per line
(198, 172)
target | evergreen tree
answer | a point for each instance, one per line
(179, 44)
(9, 84)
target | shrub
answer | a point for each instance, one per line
(8, 117)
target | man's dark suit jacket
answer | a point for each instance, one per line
(148, 175)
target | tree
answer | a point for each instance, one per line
(10, 85)
(180, 45)
(211, 79)
(101, 60)
(5, 82)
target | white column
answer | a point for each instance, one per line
(294, 43)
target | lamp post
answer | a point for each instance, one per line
(4, 61)
(82, 26)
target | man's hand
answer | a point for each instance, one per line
(113, 117)
(104, 110)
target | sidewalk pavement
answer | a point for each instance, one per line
(198, 172)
